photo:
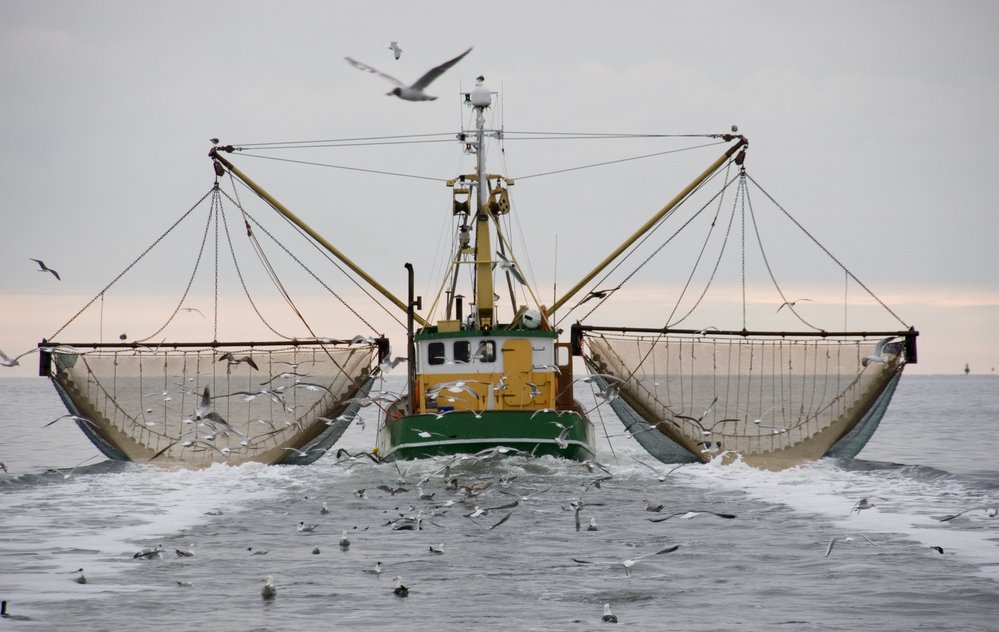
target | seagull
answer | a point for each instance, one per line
(414, 92)
(629, 563)
(233, 360)
(938, 549)
(75, 418)
(878, 352)
(400, 590)
(562, 440)
(81, 579)
(377, 570)
(705, 431)
(659, 475)
(44, 268)
(305, 452)
(844, 540)
(184, 584)
(792, 303)
(344, 542)
(149, 554)
(258, 552)
(687, 515)
(201, 410)
(653, 507)
(438, 550)
(188, 553)
(269, 591)
(307, 527)
(394, 47)
(501, 521)
(8, 361)
(315, 550)
(599, 294)
(609, 617)
(864, 503)
(510, 266)
(990, 510)
(325, 509)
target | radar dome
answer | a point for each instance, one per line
(532, 319)
(480, 96)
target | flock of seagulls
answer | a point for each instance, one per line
(469, 499)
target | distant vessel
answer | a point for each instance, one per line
(967, 369)
(475, 382)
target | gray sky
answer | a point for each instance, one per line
(868, 121)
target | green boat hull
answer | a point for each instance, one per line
(465, 432)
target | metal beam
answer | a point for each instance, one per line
(652, 221)
(281, 208)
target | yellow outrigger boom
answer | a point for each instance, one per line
(743, 142)
(281, 208)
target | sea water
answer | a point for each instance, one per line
(765, 569)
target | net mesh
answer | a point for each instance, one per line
(777, 396)
(262, 405)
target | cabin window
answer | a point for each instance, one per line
(435, 353)
(462, 351)
(486, 351)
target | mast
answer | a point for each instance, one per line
(480, 99)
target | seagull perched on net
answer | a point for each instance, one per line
(414, 92)
(394, 47)
(44, 268)
(510, 266)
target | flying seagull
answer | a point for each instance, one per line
(414, 92)
(846, 539)
(394, 47)
(599, 294)
(44, 268)
(878, 352)
(511, 267)
(8, 361)
(792, 303)
(233, 360)
(629, 563)
(687, 515)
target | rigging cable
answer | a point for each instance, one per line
(129, 267)
(324, 254)
(332, 166)
(759, 240)
(616, 161)
(194, 272)
(816, 242)
(641, 241)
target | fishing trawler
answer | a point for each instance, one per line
(771, 397)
